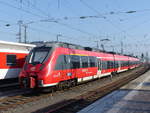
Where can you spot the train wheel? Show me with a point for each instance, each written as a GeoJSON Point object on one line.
{"type": "Point", "coordinates": [74, 82]}
{"type": "Point", "coordinates": [67, 84]}
{"type": "Point", "coordinates": [60, 86]}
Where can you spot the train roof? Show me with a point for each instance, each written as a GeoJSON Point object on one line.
{"type": "Point", "coordinates": [73, 46]}
{"type": "Point", "coordinates": [16, 44]}
{"type": "Point", "coordinates": [57, 44]}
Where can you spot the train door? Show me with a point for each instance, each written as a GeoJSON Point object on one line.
{"type": "Point", "coordinates": [74, 66]}
{"type": "Point", "coordinates": [68, 71]}
{"type": "Point", "coordinates": [99, 66]}
{"type": "Point", "coordinates": [119, 65]}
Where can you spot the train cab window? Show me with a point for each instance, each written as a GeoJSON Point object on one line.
{"type": "Point", "coordinates": [84, 60]}
{"type": "Point", "coordinates": [92, 61]}
{"type": "Point", "coordinates": [39, 55]}
{"type": "Point", "coordinates": [11, 60]}
{"type": "Point", "coordinates": [75, 61]}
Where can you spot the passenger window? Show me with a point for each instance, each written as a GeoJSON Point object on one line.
{"type": "Point", "coordinates": [116, 64]}
{"type": "Point", "coordinates": [11, 60]}
{"type": "Point", "coordinates": [104, 65]}
{"type": "Point", "coordinates": [92, 61]}
{"type": "Point", "coordinates": [62, 62]}
{"type": "Point", "coordinates": [75, 61]}
{"type": "Point", "coordinates": [84, 60]}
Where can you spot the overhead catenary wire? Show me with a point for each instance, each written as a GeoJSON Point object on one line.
{"type": "Point", "coordinates": [20, 9]}
{"type": "Point", "coordinates": [26, 11]}
{"type": "Point", "coordinates": [104, 17]}
{"type": "Point", "coordinates": [31, 12]}
{"type": "Point", "coordinates": [35, 8]}
{"type": "Point", "coordinates": [54, 34]}
{"type": "Point", "coordinates": [69, 26]}
{"type": "Point", "coordinates": [79, 30]}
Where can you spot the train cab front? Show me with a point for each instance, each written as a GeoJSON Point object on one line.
{"type": "Point", "coordinates": [34, 67]}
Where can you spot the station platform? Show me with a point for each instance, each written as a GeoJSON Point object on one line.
{"type": "Point", "coordinates": [131, 98]}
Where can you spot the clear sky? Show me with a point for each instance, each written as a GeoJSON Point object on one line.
{"type": "Point", "coordinates": [80, 21]}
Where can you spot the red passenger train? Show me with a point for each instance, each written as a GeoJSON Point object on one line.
{"type": "Point", "coordinates": [60, 64]}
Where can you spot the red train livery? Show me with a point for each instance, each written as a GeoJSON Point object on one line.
{"type": "Point", "coordinates": [58, 63]}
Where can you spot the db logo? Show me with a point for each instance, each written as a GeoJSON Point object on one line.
{"type": "Point", "coordinates": [32, 68]}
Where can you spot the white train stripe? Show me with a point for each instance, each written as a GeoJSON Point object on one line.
{"type": "Point", "coordinates": [93, 77]}
{"type": "Point", "coordinates": [16, 44]}
{"type": "Point", "coordinates": [48, 85]}
{"type": "Point", "coordinates": [9, 73]}
{"type": "Point", "coordinates": [14, 51]}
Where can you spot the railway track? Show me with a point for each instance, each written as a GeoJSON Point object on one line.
{"type": "Point", "coordinates": [71, 105]}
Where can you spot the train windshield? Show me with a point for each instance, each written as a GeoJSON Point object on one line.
{"type": "Point", "coordinates": [39, 55]}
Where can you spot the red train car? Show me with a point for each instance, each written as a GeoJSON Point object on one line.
{"type": "Point", "coordinates": [12, 57]}
{"type": "Point", "coordinates": [59, 64]}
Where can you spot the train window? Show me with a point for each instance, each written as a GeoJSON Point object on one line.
{"type": "Point", "coordinates": [116, 64]}
{"type": "Point", "coordinates": [127, 63]}
{"type": "Point", "coordinates": [75, 61]}
{"type": "Point", "coordinates": [62, 62]}
{"type": "Point", "coordinates": [122, 63]}
{"type": "Point", "coordinates": [92, 61]}
{"type": "Point", "coordinates": [104, 65]}
{"type": "Point", "coordinates": [110, 64]}
{"type": "Point", "coordinates": [11, 60]}
{"type": "Point", "coordinates": [84, 60]}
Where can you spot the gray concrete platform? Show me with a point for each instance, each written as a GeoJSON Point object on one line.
{"type": "Point", "coordinates": [131, 98]}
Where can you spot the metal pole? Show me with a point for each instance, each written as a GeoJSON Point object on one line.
{"type": "Point", "coordinates": [121, 47]}
{"type": "Point", "coordinates": [19, 34]}
{"type": "Point", "coordinates": [103, 47]}
{"type": "Point", "coordinates": [25, 33]}
{"type": "Point", "coordinates": [97, 45]}
{"type": "Point", "coordinates": [57, 37]}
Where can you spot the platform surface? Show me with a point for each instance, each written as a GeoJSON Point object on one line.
{"type": "Point", "coordinates": [131, 98]}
